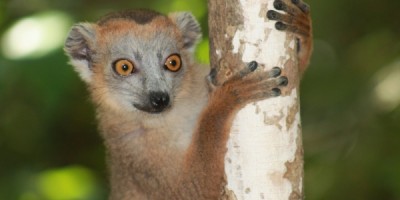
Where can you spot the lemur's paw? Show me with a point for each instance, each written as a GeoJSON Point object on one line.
{"type": "Point", "coordinates": [289, 5]}
{"type": "Point", "coordinates": [294, 16]}
{"type": "Point", "coordinates": [246, 86]}
{"type": "Point", "coordinates": [296, 20]}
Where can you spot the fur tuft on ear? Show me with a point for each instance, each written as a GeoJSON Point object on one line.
{"type": "Point", "coordinates": [78, 47]}
{"type": "Point", "coordinates": [189, 27]}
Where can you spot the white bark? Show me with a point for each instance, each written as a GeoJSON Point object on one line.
{"type": "Point", "coordinates": [265, 156]}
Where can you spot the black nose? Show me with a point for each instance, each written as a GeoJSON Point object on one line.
{"type": "Point", "coordinates": [159, 101]}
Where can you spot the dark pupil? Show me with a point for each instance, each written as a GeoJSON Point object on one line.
{"type": "Point", "coordinates": [173, 63]}
{"type": "Point", "coordinates": [125, 67]}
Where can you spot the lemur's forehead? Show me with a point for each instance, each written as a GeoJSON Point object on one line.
{"type": "Point", "coordinates": [140, 16]}
{"type": "Point", "coordinates": [123, 27]}
{"type": "Point", "coordinates": [138, 22]}
{"type": "Point", "coordinates": [121, 34]}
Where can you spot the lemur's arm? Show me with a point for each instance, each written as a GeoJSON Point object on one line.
{"type": "Point", "coordinates": [205, 157]}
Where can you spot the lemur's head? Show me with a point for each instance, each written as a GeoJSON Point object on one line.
{"type": "Point", "coordinates": [134, 60]}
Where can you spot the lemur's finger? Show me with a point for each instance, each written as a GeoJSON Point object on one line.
{"type": "Point", "coordinates": [302, 6]}
{"type": "Point", "coordinates": [288, 19]}
{"type": "Point", "coordinates": [263, 94]}
{"type": "Point", "coordinates": [247, 70]}
{"type": "Point", "coordinates": [275, 72]}
{"type": "Point", "coordinates": [282, 81]}
{"type": "Point", "coordinates": [292, 8]}
{"type": "Point", "coordinates": [281, 5]}
{"type": "Point", "coordinates": [251, 95]}
{"type": "Point", "coordinates": [212, 76]}
{"type": "Point", "coordinates": [276, 92]}
{"type": "Point", "coordinates": [287, 27]}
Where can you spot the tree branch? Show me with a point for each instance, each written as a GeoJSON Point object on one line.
{"type": "Point", "coordinates": [265, 153]}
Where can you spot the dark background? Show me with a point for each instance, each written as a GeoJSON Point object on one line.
{"type": "Point", "coordinates": [50, 148]}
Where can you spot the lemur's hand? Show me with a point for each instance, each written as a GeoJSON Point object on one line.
{"type": "Point", "coordinates": [296, 20]}
{"type": "Point", "coordinates": [247, 86]}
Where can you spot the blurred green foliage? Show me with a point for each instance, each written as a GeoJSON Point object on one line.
{"type": "Point", "coordinates": [50, 148]}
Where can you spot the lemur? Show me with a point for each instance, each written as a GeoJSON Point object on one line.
{"type": "Point", "coordinates": [164, 124]}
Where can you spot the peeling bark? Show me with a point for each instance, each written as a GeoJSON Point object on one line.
{"type": "Point", "coordinates": [265, 153]}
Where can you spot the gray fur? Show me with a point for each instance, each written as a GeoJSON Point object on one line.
{"type": "Point", "coordinates": [79, 46]}
{"type": "Point", "coordinates": [150, 75]}
{"type": "Point", "coordinates": [189, 27]}
{"type": "Point", "coordinates": [78, 41]}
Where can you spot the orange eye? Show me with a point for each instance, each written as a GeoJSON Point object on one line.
{"type": "Point", "coordinates": [124, 67]}
{"type": "Point", "coordinates": [173, 63]}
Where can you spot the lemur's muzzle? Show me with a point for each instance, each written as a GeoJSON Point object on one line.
{"type": "Point", "coordinates": [158, 101]}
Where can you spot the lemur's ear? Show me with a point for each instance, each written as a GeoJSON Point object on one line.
{"type": "Point", "coordinates": [78, 47]}
{"type": "Point", "coordinates": [189, 27]}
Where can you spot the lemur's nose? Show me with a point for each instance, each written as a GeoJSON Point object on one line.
{"type": "Point", "coordinates": [159, 101]}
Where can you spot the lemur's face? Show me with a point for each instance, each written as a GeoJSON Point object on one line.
{"type": "Point", "coordinates": [142, 64]}
{"type": "Point", "coordinates": [136, 62]}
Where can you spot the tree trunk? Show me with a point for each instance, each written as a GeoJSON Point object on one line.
{"type": "Point", "coordinates": [265, 153]}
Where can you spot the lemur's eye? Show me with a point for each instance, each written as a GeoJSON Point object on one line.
{"type": "Point", "coordinates": [173, 63]}
{"type": "Point", "coordinates": [124, 67]}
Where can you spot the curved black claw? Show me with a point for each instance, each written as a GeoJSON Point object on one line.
{"type": "Point", "coordinates": [281, 26]}
{"type": "Point", "coordinates": [273, 15]}
{"type": "Point", "coordinates": [275, 72]}
{"type": "Point", "coordinates": [279, 5]}
{"type": "Point", "coordinates": [283, 81]}
{"type": "Point", "coordinates": [252, 65]}
{"type": "Point", "coordinates": [276, 92]}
